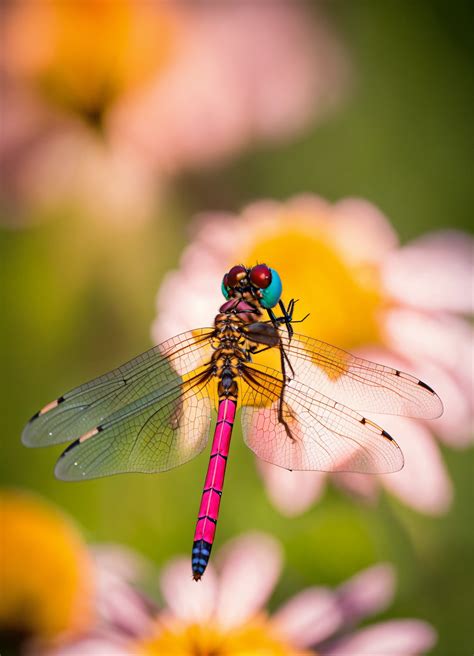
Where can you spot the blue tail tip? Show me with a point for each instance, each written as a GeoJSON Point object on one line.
{"type": "Point", "coordinates": [200, 558]}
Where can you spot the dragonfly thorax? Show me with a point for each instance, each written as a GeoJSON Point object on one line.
{"type": "Point", "coordinates": [232, 346]}
{"type": "Point", "coordinates": [246, 310]}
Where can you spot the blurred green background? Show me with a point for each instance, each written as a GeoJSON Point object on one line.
{"type": "Point", "coordinates": [77, 303]}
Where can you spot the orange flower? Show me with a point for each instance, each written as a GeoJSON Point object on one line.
{"type": "Point", "coordinates": [45, 574]}
{"type": "Point", "coordinates": [82, 56]}
{"type": "Point", "coordinates": [165, 86]}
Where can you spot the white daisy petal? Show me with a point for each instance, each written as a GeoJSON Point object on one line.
{"type": "Point", "coordinates": [393, 638]}
{"type": "Point", "coordinates": [250, 567]}
{"type": "Point", "coordinates": [291, 492]}
{"type": "Point", "coordinates": [189, 600]}
{"type": "Point", "coordinates": [309, 617]}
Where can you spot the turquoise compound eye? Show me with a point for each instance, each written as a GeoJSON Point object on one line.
{"type": "Point", "coordinates": [272, 294]}
{"type": "Point", "coordinates": [224, 289]}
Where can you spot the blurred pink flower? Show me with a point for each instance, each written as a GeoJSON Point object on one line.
{"type": "Point", "coordinates": [404, 306]}
{"type": "Point", "coordinates": [245, 71]}
{"type": "Point", "coordinates": [122, 609]}
{"type": "Point", "coordinates": [185, 84]}
{"type": "Point", "coordinates": [225, 614]}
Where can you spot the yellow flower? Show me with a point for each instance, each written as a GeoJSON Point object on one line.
{"type": "Point", "coordinates": [401, 306]}
{"type": "Point", "coordinates": [254, 638]}
{"type": "Point", "coordinates": [45, 574]}
{"type": "Point", "coordinates": [223, 615]}
{"type": "Point", "coordinates": [328, 257]}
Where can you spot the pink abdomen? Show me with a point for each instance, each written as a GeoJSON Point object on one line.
{"type": "Point", "coordinates": [211, 496]}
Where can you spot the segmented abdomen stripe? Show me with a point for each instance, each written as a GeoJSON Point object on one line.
{"type": "Point", "coordinates": [212, 493]}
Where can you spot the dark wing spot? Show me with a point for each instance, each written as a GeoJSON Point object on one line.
{"type": "Point", "coordinates": [69, 448]}
{"type": "Point", "coordinates": [427, 387]}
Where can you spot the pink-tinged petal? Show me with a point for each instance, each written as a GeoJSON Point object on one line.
{"type": "Point", "coordinates": [455, 427]}
{"type": "Point", "coordinates": [119, 604]}
{"type": "Point", "coordinates": [250, 567]}
{"type": "Point", "coordinates": [423, 483]}
{"type": "Point", "coordinates": [442, 339]}
{"type": "Point", "coordinates": [311, 616]}
{"type": "Point", "coordinates": [109, 183]}
{"type": "Point", "coordinates": [291, 492]}
{"type": "Point", "coordinates": [121, 562]}
{"type": "Point", "coordinates": [192, 307]}
{"type": "Point", "coordinates": [95, 646]}
{"type": "Point", "coordinates": [122, 607]}
{"type": "Point", "coordinates": [187, 599]}
{"type": "Point", "coordinates": [393, 638]}
{"type": "Point", "coordinates": [193, 291]}
{"type": "Point", "coordinates": [435, 272]}
{"type": "Point", "coordinates": [359, 485]}
{"type": "Point", "coordinates": [367, 593]}
{"type": "Point", "coordinates": [213, 235]}
{"type": "Point", "coordinates": [361, 232]}
{"type": "Point", "coordinates": [441, 350]}
{"type": "Point", "coordinates": [306, 213]}
{"type": "Point", "coordinates": [262, 217]}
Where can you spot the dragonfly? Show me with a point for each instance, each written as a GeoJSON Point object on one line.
{"type": "Point", "coordinates": [155, 412]}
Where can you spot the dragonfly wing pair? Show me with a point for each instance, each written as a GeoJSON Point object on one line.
{"type": "Point", "coordinates": [145, 416]}
{"type": "Point", "coordinates": [309, 431]}
{"type": "Point", "coordinates": [363, 385]}
{"type": "Point", "coordinates": [326, 434]}
{"type": "Point", "coordinates": [154, 413]}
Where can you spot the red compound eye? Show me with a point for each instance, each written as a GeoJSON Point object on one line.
{"type": "Point", "coordinates": [235, 275]}
{"type": "Point", "coordinates": [261, 276]}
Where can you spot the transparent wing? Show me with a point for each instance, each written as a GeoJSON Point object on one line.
{"type": "Point", "coordinates": [162, 433]}
{"type": "Point", "coordinates": [311, 432]}
{"type": "Point", "coordinates": [359, 383]}
{"type": "Point", "coordinates": [130, 386]}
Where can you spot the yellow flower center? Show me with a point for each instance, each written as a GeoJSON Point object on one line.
{"type": "Point", "coordinates": [45, 573]}
{"type": "Point", "coordinates": [344, 300]}
{"type": "Point", "coordinates": [255, 638]}
{"type": "Point", "coordinates": [83, 54]}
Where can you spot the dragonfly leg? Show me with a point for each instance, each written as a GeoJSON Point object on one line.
{"type": "Point", "coordinates": [276, 321]}
{"type": "Point", "coordinates": [264, 348]}
{"type": "Point", "coordinates": [284, 357]}
{"type": "Point", "coordinates": [287, 317]}
{"type": "Point", "coordinates": [281, 418]}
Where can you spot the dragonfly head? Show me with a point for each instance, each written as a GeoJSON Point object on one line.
{"type": "Point", "coordinates": [261, 281]}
